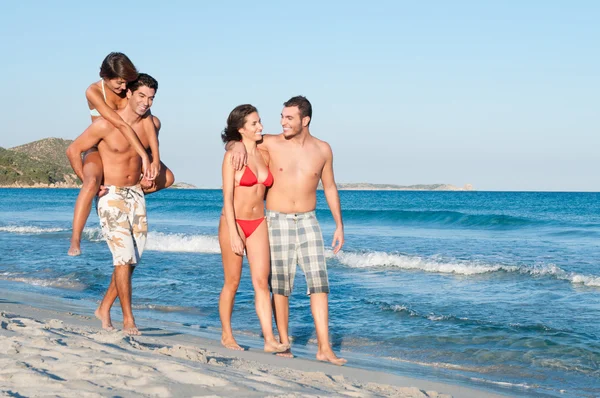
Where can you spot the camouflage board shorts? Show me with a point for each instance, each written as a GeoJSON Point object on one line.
{"type": "Point", "coordinates": [122, 213]}
{"type": "Point", "coordinates": [296, 238]}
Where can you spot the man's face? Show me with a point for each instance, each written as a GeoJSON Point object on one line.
{"type": "Point", "coordinates": [291, 121]}
{"type": "Point", "coordinates": [117, 85]}
{"type": "Point", "coordinates": [141, 99]}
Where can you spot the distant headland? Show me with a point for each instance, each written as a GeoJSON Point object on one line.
{"type": "Point", "coordinates": [365, 186]}
{"type": "Point", "coordinates": [44, 164]}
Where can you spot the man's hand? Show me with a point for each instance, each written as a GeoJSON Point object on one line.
{"type": "Point", "coordinates": [338, 240]}
{"type": "Point", "coordinates": [102, 190]}
{"type": "Point", "coordinates": [147, 183]}
{"type": "Point", "coordinates": [239, 156]}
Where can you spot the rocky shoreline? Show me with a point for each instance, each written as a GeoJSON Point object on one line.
{"type": "Point", "coordinates": [39, 185]}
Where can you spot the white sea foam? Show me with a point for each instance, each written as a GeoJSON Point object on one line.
{"type": "Point", "coordinates": [382, 259]}
{"type": "Point", "coordinates": [159, 241]}
{"type": "Point", "coordinates": [559, 273]}
{"type": "Point", "coordinates": [505, 383]}
{"type": "Point", "coordinates": [60, 282]}
{"type": "Point", "coordinates": [163, 308]}
{"type": "Point", "coordinates": [162, 242]}
{"type": "Point", "coordinates": [29, 230]}
{"type": "Point", "coordinates": [93, 234]}
{"type": "Point", "coordinates": [437, 265]}
{"type": "Point", "coordinates": [444, 365]}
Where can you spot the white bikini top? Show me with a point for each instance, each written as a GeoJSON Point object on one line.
{"type": "Point", "coordinates": [94, 112]}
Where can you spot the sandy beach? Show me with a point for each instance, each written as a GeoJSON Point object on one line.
{"type": "Point", "coordinates": [47, 352]}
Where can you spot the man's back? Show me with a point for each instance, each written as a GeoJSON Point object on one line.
{"type": "Point", "coordinates": [122, 165]}
{"type": "Point", "coordinates": [297, 170]}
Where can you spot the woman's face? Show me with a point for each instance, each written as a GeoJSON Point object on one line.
{"type": "Point", "coordinates": [252, 127]}
{"type": "Point", "coordinates": [117, 85]}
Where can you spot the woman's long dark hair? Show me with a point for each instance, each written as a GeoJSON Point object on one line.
{"type": "Point", "coordinates": [235, 121]}
{"type": "Point", "coordinates": [117, 65]}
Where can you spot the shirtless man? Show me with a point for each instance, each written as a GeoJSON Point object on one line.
{"type": "Point", "coordinates": [298, 162]}
{"type": "Point", "coordinates": [122, 211]}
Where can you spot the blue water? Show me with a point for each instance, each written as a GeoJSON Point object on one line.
{"type": "Point", "coordinates": [499, 290]}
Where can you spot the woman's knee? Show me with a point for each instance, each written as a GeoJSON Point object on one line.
{"type": "Point", "coordinates": [261, 284]}
{"type": "Point", "coordinates": [231, 283]}
{"type": "Point", "coordinates": [169, 178]}
{"type": "Point", "coordinates": [92, 182]}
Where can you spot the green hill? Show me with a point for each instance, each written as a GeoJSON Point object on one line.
{"type": "Point", "coordinates": [39, 163]}
{"type": "Point", "coordinates": [50, 150]}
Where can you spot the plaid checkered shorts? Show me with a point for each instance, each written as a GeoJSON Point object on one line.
{"type": "Point", "coordinates": [296, 238]}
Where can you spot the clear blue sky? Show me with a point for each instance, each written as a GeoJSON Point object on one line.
{"type": "Point", "coordinates": [503, 95]}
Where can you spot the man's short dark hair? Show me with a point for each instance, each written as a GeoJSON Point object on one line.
{"type": "Point", "coordinates": [143, 79]}
{"type": "Point", "coordinates": [303, 105]}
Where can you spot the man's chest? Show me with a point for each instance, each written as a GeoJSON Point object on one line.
{"type": "Point", "coordinates": [298, 163]}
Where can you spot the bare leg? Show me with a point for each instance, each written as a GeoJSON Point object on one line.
{"type": "Point", "coordinates": [122, 275]}
{"type": "Point", "coordinates": [103, 310]}
{"type": "Point", "coordinates": [164, 180]}
{"type": "Point", "coordinates": [281, 308]}
{"type": "Point", "coordinates": [320, 312]}
{"type": "Point", "coordinates": [232, 270]}
{"type": "Point", "coordinates": [257, 250]}
{"type": "Point", "coordinates": [92, 177]}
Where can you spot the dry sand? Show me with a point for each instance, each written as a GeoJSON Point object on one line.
{"type": "Point", "coordinates": [58, 353]}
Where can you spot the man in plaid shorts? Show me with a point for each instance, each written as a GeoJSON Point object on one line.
{"type": "Point", "coordinates": [298, 162]}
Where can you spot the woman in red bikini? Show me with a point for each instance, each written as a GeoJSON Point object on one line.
{"type": "Point", "coordinates": [242, 225]}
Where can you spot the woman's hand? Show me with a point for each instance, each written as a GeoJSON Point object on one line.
{"type": "Point", "coordinates": [237, 245]}
{"type": "Point", "coordinates": [154, 169]}
{"type": "Point", "coordinates": [146, 166]}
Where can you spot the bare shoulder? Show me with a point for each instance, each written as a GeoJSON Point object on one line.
{"type": "Point", "coordinates": [323, 146]}
{"type": "Point", "coordinates": [156, 122]}
{"type": "Point", "coordinates": [101, 124]}
{"type": "Point", "coordinates": [93, 89]}
{"type": "Point", "coordinates": [267, 140]}
{"type": "Point", "coordinates": [100, 129]}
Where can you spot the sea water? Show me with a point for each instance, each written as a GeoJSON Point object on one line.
{"type": "Point", "coordinates": [498, 290]}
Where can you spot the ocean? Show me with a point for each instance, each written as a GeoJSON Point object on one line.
{"type": "Point", "coordinates": [494, 290]}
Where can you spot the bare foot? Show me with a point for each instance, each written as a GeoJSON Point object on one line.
{"type": "Point", "coordinates": [286, 354]}
{"type": "Point", "coordinates": [105, 319]}
{"type": "Point", "coordinates": [274, 346]}
{"type": "Point", "coordinates": [329, 356]}
{"type": "Point", "coordinates": [131, 330]}
{"type": "Point", "coordinates": [231, 344]}
{"type": "Point", "coordinates": [74, 250]}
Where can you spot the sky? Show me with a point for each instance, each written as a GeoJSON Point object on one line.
{"type": "Point", "coordinates": [502, 95]}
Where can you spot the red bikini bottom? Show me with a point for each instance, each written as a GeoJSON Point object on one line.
{"type": "Point", "coordinates": [249, 226]}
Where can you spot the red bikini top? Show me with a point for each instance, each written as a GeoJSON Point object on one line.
{"type": "Point", "coordinates": [249, 179]}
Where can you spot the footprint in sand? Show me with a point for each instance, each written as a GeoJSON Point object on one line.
{"type": "Point", "coordinates": [183, 374]}
{"type": "Point", "coordinates": [182, 352]}
{"type": "Point", "coordinates": [54, 324]}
